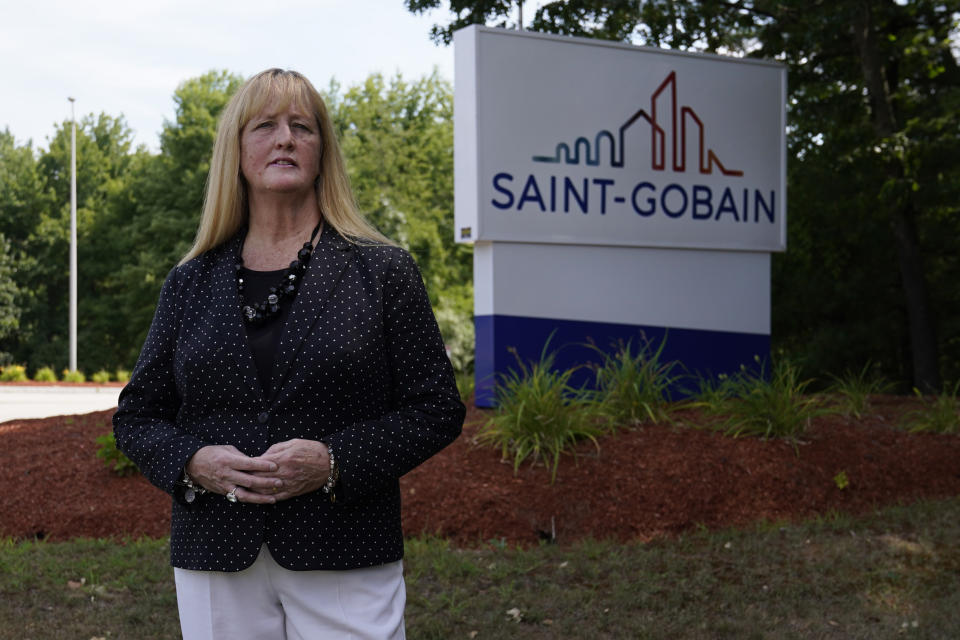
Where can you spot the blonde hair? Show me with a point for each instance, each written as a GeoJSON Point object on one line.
{"type": "Point", "coordinates": [225, 201]}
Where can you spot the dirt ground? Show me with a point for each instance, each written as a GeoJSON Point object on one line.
{"type": "Point", "coordinates": [645, 483]}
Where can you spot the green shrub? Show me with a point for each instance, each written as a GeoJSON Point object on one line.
{"type": "Point", "coordinates": [465, 384]}
{"type": "Point", "coordinates": [101, 376]}
{"type": "Point", "coordinates": [73, 376]}
{"type": "Point", "coordinates": [634, 387]}
{"type": "Point", "coordinates": [456, 327]}
{"type": "Point", "coordinates": [121, 375]}
{"type": "Point", "coordinates": [13, 373]}
{"type": "Point", "coordinates": [45, 374]}
{"type": "Point", "coordinates": [941, 414]}
{"type": "Point", "coordinates": [113, 457]}
{"type": "Point", "coordinates": [539, 415]}
{"type": "Point", "coordinates": [854, 390]}
{"type": "Point", "coordinates": [750, 405]}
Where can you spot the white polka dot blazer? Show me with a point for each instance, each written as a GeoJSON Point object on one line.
{"type": "Point", "coordinates": [361, 365]}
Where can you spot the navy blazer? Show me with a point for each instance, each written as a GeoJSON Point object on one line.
{"type": "Point", "coordinates": [361, 366]}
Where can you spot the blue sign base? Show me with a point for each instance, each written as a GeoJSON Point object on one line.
{"type": "Point", "coordinates": [501, 339]}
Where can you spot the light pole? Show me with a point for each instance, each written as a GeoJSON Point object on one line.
{"type": "Point", "coordinates": [73, 239]}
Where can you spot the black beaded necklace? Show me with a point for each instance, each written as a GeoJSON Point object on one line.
{"type": "Point", "coordinates": [261, 312]}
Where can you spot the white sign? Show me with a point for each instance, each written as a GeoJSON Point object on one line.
{"type": "Point", "coordinates": [579, 141]}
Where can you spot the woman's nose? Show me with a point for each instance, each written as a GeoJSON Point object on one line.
{"type": "Point", "coordinates": [284, 135]}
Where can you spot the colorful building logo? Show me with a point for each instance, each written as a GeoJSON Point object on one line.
{"type": "Point", "coordinates": [678, 116]}
{"type": "Point", "coordinates": [675, 130]}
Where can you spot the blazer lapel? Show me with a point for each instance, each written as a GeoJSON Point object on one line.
{"type": "Point", "coordinates": [327, 265]}
{"type": "Point", "coordinates": [226, 307]}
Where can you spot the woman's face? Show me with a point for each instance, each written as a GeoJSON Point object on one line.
{"type": "Point", "coordinates": [280, 151]}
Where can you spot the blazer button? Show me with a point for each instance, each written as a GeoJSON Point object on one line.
{"type": "Point", "coordinates": [263, 417]}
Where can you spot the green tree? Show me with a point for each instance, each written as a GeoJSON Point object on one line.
{"type": "Point", "coordinates": [22, 200]}
{"type": "Point", "coordinates": [491, 12]}
{"type": "Point", "coordinates": [103, 145]}
{"type": "Point", "coordinates": [9, 309]}
{"type": "Point", "coordinates": [609, 20]}
{"type": "Point", "coordinates": [34, 202]}
{"type": "Point", "coordinates": [22, 194]}
{"type": "Point", "coordinates": [170, 190]}
{"type": "Point", "coordinates": [875, 100]}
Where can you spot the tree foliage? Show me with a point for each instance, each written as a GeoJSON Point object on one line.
{"type": "Point", "coordinates": [37, 223]}
{"type": "Point", "coordinates": [871, 273]}
{"type": "Point", "coordinates": [491, 12]}
{"type": "Point", "coordinates": [9, 309]}
{"type": "Point", "coordinates": [21, 195]}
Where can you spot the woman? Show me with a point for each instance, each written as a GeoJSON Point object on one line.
{"type": "Point", "coordinates": [292, 373]}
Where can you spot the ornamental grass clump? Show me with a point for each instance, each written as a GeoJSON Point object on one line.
{"type": "Point", "coordinates": [940, 414]}
{"type": "Point", "coordinates": [751, 405]}
{"type": "Point", "coordinates": [853, 390]}
{"type": "Point", "coordinates": [539, 414]}
{"type": "Point", "coordinates": [633, 386]}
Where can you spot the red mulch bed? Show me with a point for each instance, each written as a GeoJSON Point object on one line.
{"type": "Point", "coordinates": [650, 482]}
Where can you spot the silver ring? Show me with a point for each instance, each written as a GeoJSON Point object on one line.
{"type": "Point", "coordinates": [232, 494]}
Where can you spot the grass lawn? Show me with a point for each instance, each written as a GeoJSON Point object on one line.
{"type": "Point", "coordinates": [891, 574]}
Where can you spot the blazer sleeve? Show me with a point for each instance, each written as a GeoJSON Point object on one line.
{"type": "Point", "coordinates": [145, 422]}
{"type": "Point", "coordinates": [426, 414]}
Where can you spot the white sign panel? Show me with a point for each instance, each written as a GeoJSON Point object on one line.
{"type": "Point", "coordinates": [579, 141]}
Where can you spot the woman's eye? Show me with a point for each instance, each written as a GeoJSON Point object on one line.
{"type": "Point", "coordinates": [300, 125]}
{"type": "Point", "coordinates": [263, 125]}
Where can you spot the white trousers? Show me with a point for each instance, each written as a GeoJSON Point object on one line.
{"type": "Point", "coordinates": [267, 602]}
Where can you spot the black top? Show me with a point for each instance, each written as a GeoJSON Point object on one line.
{"type": "Point", "coordinates": [361, 366]}
{"type": "Point", "coordinates": [264, 339]}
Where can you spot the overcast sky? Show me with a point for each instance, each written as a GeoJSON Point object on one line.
{"type": "Point", "coordinates": [128, 56]}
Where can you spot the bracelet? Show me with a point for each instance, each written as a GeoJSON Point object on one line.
{"type": "Point", "coordinates": [192, 489]}
{"type": "Point", "coordinates": [332, 477]}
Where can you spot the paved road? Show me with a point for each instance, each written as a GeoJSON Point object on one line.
{"type": "Point", "coordinates": [42, 402]}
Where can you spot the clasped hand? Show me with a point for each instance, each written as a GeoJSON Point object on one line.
{"type": "Point", "coordinates": [285, 470]}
